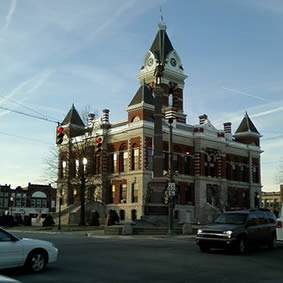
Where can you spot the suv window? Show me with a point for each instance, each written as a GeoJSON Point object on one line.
{"type": "Point", "coordinates": [270, 216]}
{"type": "Point", "coordinates": [231, 218]}
{"type": "Point", "coordinates": [261, 218]}
{"type": "Point", "coordinates": [252, 219]}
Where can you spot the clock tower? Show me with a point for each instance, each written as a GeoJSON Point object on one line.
{"type": "Point", "coordinates": [173, 78]}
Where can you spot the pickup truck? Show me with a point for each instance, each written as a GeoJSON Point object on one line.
{"type": "Point", "coordinates": [279, 226]}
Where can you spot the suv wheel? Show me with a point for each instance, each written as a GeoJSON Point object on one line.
{"type": "Point", "coordinates": [242, 245]}
{"type": "Point", "coordinates": [272, 243]}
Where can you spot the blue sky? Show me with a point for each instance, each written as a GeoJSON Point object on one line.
{"type": "Point", "coordinates": [56, 53]}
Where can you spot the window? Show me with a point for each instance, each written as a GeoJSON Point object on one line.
{"type": "Point", "coordinates": [234, 172]}
{"type": "Point", "coordinates": [255, 174]}
{"type": "Point", "coordinates": [134, 214]}
{"type": "Point", "coordinates": [149, 159]}
{"type": "Point", "coordinates": [38, 203]}
{"type": "Point", "coordinates": [135, 158]}
{"type": "Point", "coordinates": [123, 160]}
{"type": "Point", "coordinates": [112, 194]}
{"type": "Point", "coordinates": [33, 203]}
{"type": "Point", "coordinates": [44, 203]}
{"type": "Point", "coordinates": [188, 195]}
{"type": "Point", "coordinates": [165, 160]}
{"type": "Point", "coordinates": [77, 162]}
{"type": "Point", "coordinates": [187, 169]}
{"type": "Point", "coordinates": [24, 200]}
{"type": "Point", "coordinates": [175, 163]}
{"type": "Point", "coordinates": [176, 214]}
{"type": "Point", "coordinates": [115, 167]}
{"type": "Point", "coordinates": [64, 168]}
{"type": "Point", "coordinates": [123, 189]}
{"type": "Point", "coordinates": [134, 192]}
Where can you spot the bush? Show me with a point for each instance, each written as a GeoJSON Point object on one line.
{"type": "Point", "coordinates": [48, 221]}
{"type": "Point", "coordinates": [7, 220]}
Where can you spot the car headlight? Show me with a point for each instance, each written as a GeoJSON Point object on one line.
{"type": "Point", "coordinates": [228, 233]}
{"type": "Point", "coordinates": [199, 231]}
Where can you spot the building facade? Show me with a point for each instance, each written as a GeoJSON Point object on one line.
{"type": "Point", "coordinates": [272, 200]}
{"type": "Point", "coordinates": [33, 200]}
{"type": "Point", "coordinates": [125, 164]}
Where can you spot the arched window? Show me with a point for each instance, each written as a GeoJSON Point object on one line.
{"type": "Point", "coordinates": [122, 214]}
{"type": "Point", "coordinates": [136, 119]}
{"type": "Point", "coordinates": [134, 214]}
{"type": "Point", "coordinates": [39, 199]}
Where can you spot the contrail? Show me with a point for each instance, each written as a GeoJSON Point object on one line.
{"type": "Point", "coordinates": [246, 94]}
{"type": "Point", "coordinates": [10, 15]}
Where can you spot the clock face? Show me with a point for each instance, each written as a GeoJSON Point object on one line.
{"type": "Point", "coordinates": [173, 62]}
{"type": "Point", "coordinates": [149, 62]}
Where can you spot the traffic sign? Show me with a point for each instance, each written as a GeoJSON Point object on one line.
{"type": "Point", "coordinates": [171, 189]}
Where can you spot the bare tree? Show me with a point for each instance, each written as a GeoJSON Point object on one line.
{"type": "Point", "coordinates": [279, 175]}
{"type": "Point", "coordinates": [74, 164]}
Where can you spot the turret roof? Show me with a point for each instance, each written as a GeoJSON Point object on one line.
{"type": "Point", "coordinates": [73, 118]}
{"type": "Point", "coordinates": [247, 126]}
{"type": "Point", "coordinates": [143, 95]}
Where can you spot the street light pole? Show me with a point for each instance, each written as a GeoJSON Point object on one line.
{"type": "Point", "coordinates": [59, 216]}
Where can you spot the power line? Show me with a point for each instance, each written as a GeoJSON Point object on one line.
{"type": "Point", "coordinates": [273, 138]}
{"type": "Point", "coordinates": [22, 137]}
{"type": "Point", "coordinates": [21, 104]}
{"type": "Point", "coordinates": [29, 115]}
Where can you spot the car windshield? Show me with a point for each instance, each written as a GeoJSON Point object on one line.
{"type": "Point", "coordinates": [231, 218]}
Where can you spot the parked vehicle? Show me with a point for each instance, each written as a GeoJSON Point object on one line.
{"type": "Point", "coordinates": [33, 254]}
{"type": "Point", "coordinates": [5, 279]}
{"type": "Point", "coordinates": [239, 230]}
{"type": "Point", "coordinates": [279, 225]}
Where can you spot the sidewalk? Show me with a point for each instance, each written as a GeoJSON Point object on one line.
{"type": "Point", "coordinates": [93, 233]}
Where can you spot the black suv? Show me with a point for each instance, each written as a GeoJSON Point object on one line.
{"type": "Point", "coordinates": [238, 230]}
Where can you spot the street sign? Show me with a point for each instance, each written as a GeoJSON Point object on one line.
{"type": "Point", "coordinates": [171, 189]}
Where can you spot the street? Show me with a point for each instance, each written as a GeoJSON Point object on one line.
{"type": "Point", "coordinates": [149, 259]}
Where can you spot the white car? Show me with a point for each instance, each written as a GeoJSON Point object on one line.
{"type": "Point", "coordinates": [279, 226]}
{"type": "Point", "coordinates": [32, 254]}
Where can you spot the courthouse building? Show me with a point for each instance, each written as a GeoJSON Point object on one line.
{"type": "Point", "coordinates": [126, 162]}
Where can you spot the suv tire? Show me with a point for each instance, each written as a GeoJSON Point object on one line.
{"type": "Point", "coordinates": [272, 243]}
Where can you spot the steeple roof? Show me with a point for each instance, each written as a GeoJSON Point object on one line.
{"type": "Point", "coordinates": [161, 45]}
{"type": "Point", "coordinates": [73, 118]}
{"type": "Point", "coordinates": [247, 126]}
{"type": "Point", "coordinates": [143, 95]}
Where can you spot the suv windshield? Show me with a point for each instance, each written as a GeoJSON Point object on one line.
{"type": "Point", "coordinates": [231, 218]}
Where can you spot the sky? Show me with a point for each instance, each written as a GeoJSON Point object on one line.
{"type": "Point", "coordinates": [56, 53]}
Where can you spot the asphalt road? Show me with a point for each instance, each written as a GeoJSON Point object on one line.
{"type": "Point", "coordinates": [155, 259]}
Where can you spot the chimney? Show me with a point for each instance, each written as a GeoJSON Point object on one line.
{"type": "Point", "coordinates": [227, 127]}
{"type": "Point", "coordinates": [202, 119]}
{"type": "Point", "coordinates": [105, 116]}
{"type": "Point", "coordinates": [90, 119]}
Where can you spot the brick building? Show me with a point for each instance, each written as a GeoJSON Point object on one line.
{"type": "Point", "coordinates": [28, 201]}
{"type": "Point", "coordinates": [213, 168]}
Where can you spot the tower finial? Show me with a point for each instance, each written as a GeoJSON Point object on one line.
{"type": "Point", "coordinates": [161, 16]}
